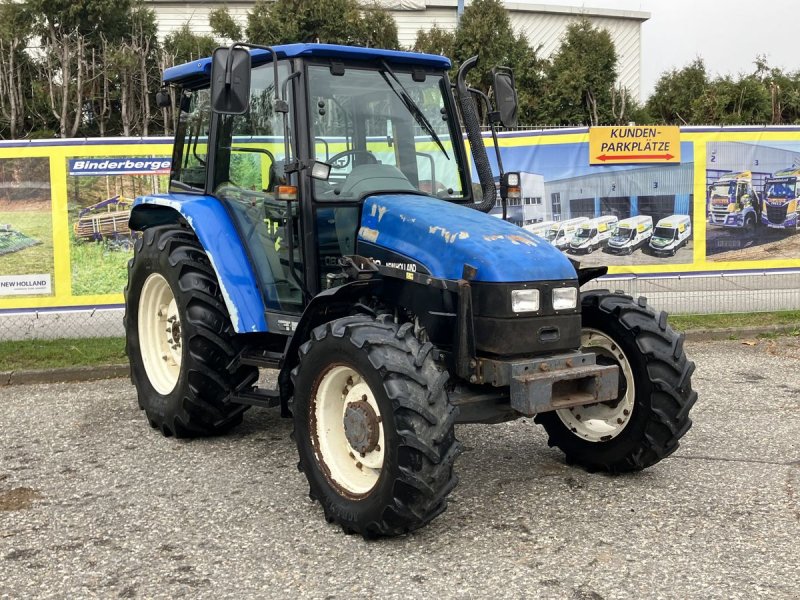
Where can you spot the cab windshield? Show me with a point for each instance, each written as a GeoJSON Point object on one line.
{"type": "Point", "coordinates": [665, 233]}
{"type": "Point", "coordinates": [783, 189]}
{"type": "Point", "coordinates": [552, 234]}
{"type": "Point", "coordinates": [383, 130]}
{"type": "Point", "coordinates": [624, 234]}
{"type": "Point", "coordinates": [722, 191]}
{"type": "Point", "coordinates": [585, 234]}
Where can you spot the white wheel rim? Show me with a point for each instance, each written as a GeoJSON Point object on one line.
{"type": "Point", "coordinates": [353, 469]}
{"type": "Point", "coordinates": [603, 421]}
{"type": "Point", "coordinates": [160, 335]}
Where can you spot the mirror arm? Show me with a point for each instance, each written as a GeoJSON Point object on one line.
{"type": "Point", "coordinates": [246, 45]}
{"type": "Point", "coordinates": [283, 107]}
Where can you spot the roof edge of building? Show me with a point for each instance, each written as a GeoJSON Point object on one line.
{"type": "Point", "coordinates": [578, 11]}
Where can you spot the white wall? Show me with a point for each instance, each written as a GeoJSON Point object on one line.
{"type": "Point", "coordinates": [542, 24]}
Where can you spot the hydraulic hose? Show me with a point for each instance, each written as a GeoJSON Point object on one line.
{"type": "Point", "coordinates": [473, 126]}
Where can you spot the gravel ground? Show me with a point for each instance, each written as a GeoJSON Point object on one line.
{"type": "Point", "coordinates": [93, 503]}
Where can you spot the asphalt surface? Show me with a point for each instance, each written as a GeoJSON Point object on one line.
{"type": "Point", "coordinates": [94, 503]}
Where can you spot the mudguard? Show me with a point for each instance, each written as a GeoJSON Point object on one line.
{"type": "Point", "coordinates": [216, 232]}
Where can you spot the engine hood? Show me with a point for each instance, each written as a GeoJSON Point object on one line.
{"type": "Point", "coordinates": [444, 236]}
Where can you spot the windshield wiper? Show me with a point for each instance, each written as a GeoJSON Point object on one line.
{"type": "Point", "coordinates": [412, 107]}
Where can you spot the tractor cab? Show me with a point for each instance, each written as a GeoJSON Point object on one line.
{"type": "Point", "coordinates": [318, 130]}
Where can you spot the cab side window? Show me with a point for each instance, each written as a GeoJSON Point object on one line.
{"type": "Point", "coordinates": [191, 142]}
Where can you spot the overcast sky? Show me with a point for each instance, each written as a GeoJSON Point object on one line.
{"type": "Point", "coordinates": [727, 34]}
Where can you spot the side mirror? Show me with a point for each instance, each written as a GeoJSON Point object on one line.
{"type": "Point", "coordinates": [230, 81]}
{"type": "Point", "coordinates": [163, 99]}
{"type": "Point", "coordinates": [505, 96]}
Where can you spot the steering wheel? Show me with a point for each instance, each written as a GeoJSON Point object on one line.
{"type": "Point", "coordinates": [433, 188]}
{"type": "Point", "coordinates": [347, 154]}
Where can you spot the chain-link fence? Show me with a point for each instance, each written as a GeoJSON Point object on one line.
{"type": "Point", "coordinates": [703, 293]}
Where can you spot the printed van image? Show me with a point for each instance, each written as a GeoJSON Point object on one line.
{"type": "Point", "coordinates": [631, 234]}
{"type": "Point", "coordinates": [670, 235]}
{"type": "Point", "coordinates": [593, 235]}
{"type": "Point", "coordinates": [779, 206]}
{"type": "Point", "coordinates": [734, 200]}
{"type": "Point", "coordinates": [561, 234]}
{"type": "Point", "coordinates": [539, 229]}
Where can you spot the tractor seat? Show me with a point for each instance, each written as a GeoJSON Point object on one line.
{"type": "Point", "coordinates": [365, 178]}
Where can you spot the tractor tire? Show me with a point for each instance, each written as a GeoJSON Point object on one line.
{"type": "Point", "coordinates": [373, 426]}
{"type": "Point", "coordinates": [651, 414]}
{"type": "Point", "coordinates": [179, 337]}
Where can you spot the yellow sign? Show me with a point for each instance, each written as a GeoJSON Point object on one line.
{"type": "Point", "coordinates": [638, 144]}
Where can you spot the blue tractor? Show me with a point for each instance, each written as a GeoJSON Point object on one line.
{"type": "Point", "coordinates": [321, 220]}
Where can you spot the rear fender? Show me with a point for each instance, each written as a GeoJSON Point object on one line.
{"type": "Point", "coordinates": [209, 220]}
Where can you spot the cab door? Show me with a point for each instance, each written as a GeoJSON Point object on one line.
{"type": "Point", "coordinates": [248, 167]}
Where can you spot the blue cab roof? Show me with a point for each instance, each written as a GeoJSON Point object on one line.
{"type": "Point", "coordinates": [199, 71]}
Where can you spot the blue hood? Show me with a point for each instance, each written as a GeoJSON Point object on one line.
{"type": "Point", "coordinates": [443, 236]}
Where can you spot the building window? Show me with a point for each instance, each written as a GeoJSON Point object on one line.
{"type": "Point", "coordinates": [556, 199]}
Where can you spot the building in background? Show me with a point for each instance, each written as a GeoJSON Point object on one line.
{"type": "Point", "coordinates": [532, 207]}
{"type": "Point", "coordinates": [656, 191]}
{"type": "Point", "coordinates": [542, 24]}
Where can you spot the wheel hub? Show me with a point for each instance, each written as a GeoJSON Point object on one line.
{"type": "Point", "coordinates": [361, 426]}
{"type": "Point", "coordinates": [160, 333]}
{"type": "Point", "coordinates": [347, 431]}
{"type": "Point", "coordinates": [603, 421]}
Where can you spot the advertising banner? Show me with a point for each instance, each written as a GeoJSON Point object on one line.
{"type": "Point", "coordinates": [723, 200]}
{"type": "Point", "coordinates": [64, 207]}
{"type": "Point", "coordinates": [26, 228]}
{"type": "Point", "coordinates": [730, 204]}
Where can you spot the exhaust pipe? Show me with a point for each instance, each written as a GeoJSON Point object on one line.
{"type": "Point", "coordinates": [473, 126]}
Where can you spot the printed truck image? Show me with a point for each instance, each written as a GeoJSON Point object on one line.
{"type": "Point", "coordinates": [539, 229]}
{"type": "Point", "coordinates": [391, 303]}
{"type": "Point", "coordinates": [561, 233]}
{"type": "Point", "coordinates": [779, 207]}
{"type": "Point", "coordinates": [593, 235]}
{"type": "Point", "coordinates": [670, 234]}
{"type": "Point", "coordinates": [733, 201]}
{"type": "Point", "coordinates": [631, 234]}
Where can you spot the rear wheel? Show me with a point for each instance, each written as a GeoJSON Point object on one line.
{"type": "Point", "coordinates": [179, 338]}
{"type": "Point", "coordinates": [373, 426]}
{"type": "Point", "coordinates": [651, 412]}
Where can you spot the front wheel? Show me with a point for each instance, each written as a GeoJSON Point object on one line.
{"type": "Point", "coordinates": [651, 412]}
{"type": "Point", "coordinates": [373, 426]}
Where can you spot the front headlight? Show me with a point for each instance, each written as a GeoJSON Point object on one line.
{"type": "Point", "coordinates": [565, 298]}
{"type": "Point", "coordinates": [524, 301]}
